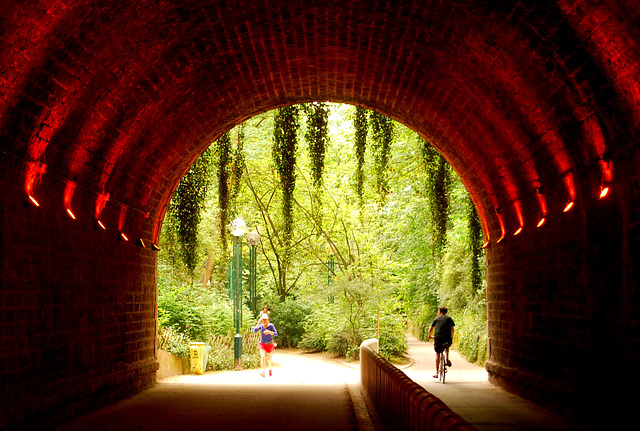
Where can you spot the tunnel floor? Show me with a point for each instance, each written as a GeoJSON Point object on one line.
{"type": "Point", "coordinates": [310, 392]}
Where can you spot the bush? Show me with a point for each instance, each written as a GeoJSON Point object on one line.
{"type": "Point", "coordinates": [313, 342]}
{"type": "Point", "coordinates": [319, 326]}
{"type": "Point", "coordinates": [221, 354]}
{"type": "Point", "coordinates": [288, 317]}
{"type": "Point", "coordinates": [330, 328]}
{"type": "Point", "coordinates": [472, 337]}
{"type": "Point", "coordinates": [392, 342]}
{"type": "Point", "coordinates": [173, 342]}
{"type": "Point", "coordinates": [184, 316]}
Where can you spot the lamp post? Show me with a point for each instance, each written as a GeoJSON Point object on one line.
{"type": "Point", "coordinates": [253, 239]}
{"type": "Point", "coordinates": [237, 228]}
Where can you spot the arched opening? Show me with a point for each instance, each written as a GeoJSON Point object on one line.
{"type": "Point", "coordinates": [364, 258]}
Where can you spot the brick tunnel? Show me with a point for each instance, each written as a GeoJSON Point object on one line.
{"type": "Point", "coordinates": [105, 105]}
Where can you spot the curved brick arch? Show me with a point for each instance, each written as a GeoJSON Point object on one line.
{"type": "Point", "coordinates": [532, 105]}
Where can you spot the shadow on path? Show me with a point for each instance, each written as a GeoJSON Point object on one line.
{"type": "Point", "coordinates": [305, 393]}
{"type": "Point", "coordinates": [468, 392]}
{"type": "Point", "coordinates": [310, 392]}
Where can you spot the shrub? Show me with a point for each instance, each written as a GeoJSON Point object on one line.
{"type": "Point", "coordinates": [288, 318]}
{"type": "Point", "coordinates": [221, 354]}
{"type": "Point", "coordinates": [173, 342]}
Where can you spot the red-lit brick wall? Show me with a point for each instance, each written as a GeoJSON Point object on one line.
{"type": "Point", "coordinates": [78, 326]}
{"type": "Point", "coordinates": [533, 103]}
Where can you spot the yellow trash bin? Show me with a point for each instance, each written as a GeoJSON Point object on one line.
{"type": "Point", "coordinates": [198, 355]}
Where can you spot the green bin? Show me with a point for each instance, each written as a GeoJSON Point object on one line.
{"type": "Point", "coordinates": [198, 355]}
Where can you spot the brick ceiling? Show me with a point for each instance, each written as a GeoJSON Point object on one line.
{"type": "Point", "coordinates": [121, 97]}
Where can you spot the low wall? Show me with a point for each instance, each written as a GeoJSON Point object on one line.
{"type": "Point", "coordinates": [400, 403]}
{"type": "Point", "coordinates": [170, 365]}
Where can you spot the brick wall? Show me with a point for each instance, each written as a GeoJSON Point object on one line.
{"type": "Point", "coordinates": [78, 317]}
{"type": "Point", "coordinates": [563, 310]}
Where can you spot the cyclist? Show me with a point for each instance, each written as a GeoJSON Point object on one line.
{"type": "Point", "coordinates": [441, 331]}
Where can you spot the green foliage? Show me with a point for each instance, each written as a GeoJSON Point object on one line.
{"type": "Point", "coordinates": [186, 204]}
{"type": "Point", "coordinates": [182, 315]}
{"type": "Point", "coordinates": [285, 144]}
{"type": "Point", "coordinates": [317, 138]}
{"type": "Point", "coordinates": [437, 188]}
{"type": "Point", "coordinates": [404, 256]}
{"type": "Point", "coordinates": [289, 317]}
{"type": "Point", "coordinates": [341, 326]}
{"type": "Point", "coordinates": [360, 143]}
{"type": "Point", "coordinates": [472, 336]}
{"type": "Point", "coordinates": [173, 342]}
{"type": "Point", "coordinates": [221, 353]}
{"type": "Point", "coordinates": [382, 136]}
{"type": "Point", "coordinates": [223, 148]}
{"type": "Point", "coordinates": [475, 244]}
{"type": "Point", "coordinates": [392, 342]}
{"type": "Point", "coordinates": [238, 165]}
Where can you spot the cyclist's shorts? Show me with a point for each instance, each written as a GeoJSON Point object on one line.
{"type": "Point", "coordinates": [439, 344]}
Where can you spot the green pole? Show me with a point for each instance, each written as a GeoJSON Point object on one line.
{"type": "Point", "coordinates": [330, 277]}
{"type": "Point", "coordinates": [252, 279]}
{"type": "Point", "coordinates": [237, 302]}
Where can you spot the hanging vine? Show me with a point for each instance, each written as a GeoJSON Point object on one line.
{"type": "Point", "coordinates": [237, 166]}
{"type": "Point", "coordinates": [223, 147]}
{"type": "Point", "coordinates": [361, 129]}
{"type": "Point", "coordinates": [186, 205]}
{"type": "Point", "coordinates": [317, 138]}
{"type": "Point", "coordinates": [437, 188]}
{"type": "Point", "coordinates": [285, 144]}
{"type": "Point", "coordinates": [382, 136]}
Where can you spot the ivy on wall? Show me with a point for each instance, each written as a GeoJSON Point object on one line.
{"type": "Point", "coordinates": [382, 136]}
{"type": "Point", "coordinates": [360, 142]}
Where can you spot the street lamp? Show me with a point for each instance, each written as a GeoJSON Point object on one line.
{"type": "Point", "coordinates": [253, 239]}
{"type": "Point", "coordinates": [237, 228]}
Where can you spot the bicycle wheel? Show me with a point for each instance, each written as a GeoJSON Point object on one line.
{"type": "Point", "coordinates": [444, 369]}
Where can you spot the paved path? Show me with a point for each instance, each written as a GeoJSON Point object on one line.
{"type": "Point", "coordinates": [310, 392]}
{"type": "Point", "coordinates": [468, 392]}
{"type": "Point", "coordinates": [305, 393]}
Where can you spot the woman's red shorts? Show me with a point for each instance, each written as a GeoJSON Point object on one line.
{"type": "Point", "coordinates": [267, 347]}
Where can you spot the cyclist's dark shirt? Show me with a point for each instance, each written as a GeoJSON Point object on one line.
{"type": "Point", "coordinates": [443, 325]}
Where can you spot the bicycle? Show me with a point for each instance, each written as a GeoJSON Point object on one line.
{"type": "Point", "coordinates": [444, 363]}
{"type": "Point", "coordinates": [442, 368]}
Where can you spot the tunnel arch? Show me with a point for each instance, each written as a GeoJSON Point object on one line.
{"type": "Point", "coordinates": [105, 105]}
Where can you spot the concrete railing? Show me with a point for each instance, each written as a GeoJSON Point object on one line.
{"type": "Point", "coordinates": [399, 402]}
